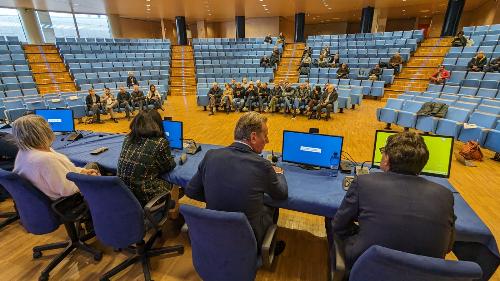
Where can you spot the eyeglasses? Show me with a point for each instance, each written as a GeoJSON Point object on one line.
{"type": "Point", "coordinates": [382, 149]}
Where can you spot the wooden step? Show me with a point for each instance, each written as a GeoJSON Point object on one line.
{"type": "Point", "coordinates": [182, 63]}
{"type": "Point", "coordinates": [56, 88]}
{"type": "Point", "coordinates": [38, 58]}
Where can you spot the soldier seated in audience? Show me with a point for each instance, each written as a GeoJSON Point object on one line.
{"type": "Point", "coordinates": [110, 103]}
{"type": "Point", "coordinates": [125, 101]}
{"type": "Point", "coordinates": [233, 83]}
{"type": "Point", "coordinates": [459, 40]}
{"type": "Point", "coordinates": [329, 97]}
{"type": "Point", "coordinates": [264, 94]}
{"type": "Point", "coordinates": [138, 98]}
{"type": "Point", "coordinates": [375, 73]}
{"type": "Point", "coordinates": [493, 66]}
{"type": "Point", "coordinates": [440, 76]}
{"type": "Point", "coordinates": [265, 62]}
{"type": "Point", "coordinates": [343, 72]}
{"type": "Point", "coordinates": [239, 97]}
{"type": "Point", "coordinates": [268, 39]}
{"type": "Point", "coordinates": [154, 97]}
{"type": "Point", "coordinates": [227, 98]}
{"type": "Point", "coordinates": [477, 63]}
{"type": "Point", "coordinates": [314, 100]}
{"type": "Point", "coordinates": [251, 96]}
{"type": "Point", "coordinates": [93, 102]}
{"type": "Point", "coordinates": [214, 98]}
{"type": "Point", "coordinates": [395, 62]}
{"type": "Point", "coordinates": [131, 80]}
{"type": "Point", "coordinates": [306, 61]}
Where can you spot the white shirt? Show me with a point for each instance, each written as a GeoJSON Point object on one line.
{"type": "Point", "coordinates": [47, 171]}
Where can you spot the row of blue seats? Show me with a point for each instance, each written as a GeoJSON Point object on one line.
{"type": "Point", "coordinates": [462, 101]}
{"type": "Point", "coordinates": [232, 70]}
{"type": "Point", "coordinates": [147, 63]}
{"type": "Point", "coordinates": [238, 47]}
{"type": "Point", "coordinates": [14, 67]}
{"type": "Point", "coordinates": [366, 53]}
{"type": "Point", "coordinates": [77, 49]}
{"type": "Point", "coordinates": [231, 40]}
{"type": "Point", "coordinates": [355, 73]}
{"type": "Point", "coordinates": [71, 40]}
{"type": "Point", "coordinates": [18, 92]}
{"type": "Point", "coordinates": [11, 39]}
{"type": "Point", "coordinates": [110, 79]}
{"type": "Point", "coordinates": [460, 64]}
{"type": "Point", "coordinates": [68, 58]}
{"type": "Point", "coordinates": [162, 85]}
{"type": "Point", "coordinates": [469, 52]}
{"type": "Point", "coordinates": [17, 86]}
{"type": "Point", "coordinates": [118, 69]}
{"type": "Point", "coordinates": [16, 79]}
{"type": "Point", "coordinates": [489, 80]}
{"type": "Point", "coordinates": [485, 40]}
{"type": "Point", "coordinates": [365, 62]}
{"type": "Point", "coordinates": [243, 54]}
{"type": "Point", "coordinates": [229, 64]}
{"type": "Point", "coordinates": [466, 91]}
{"type": "Point", "coordinates": [482, 29]}
{"type": "Point", "coordinates": [369, 87]}
{"type": "Point", "coordinates": [13, 59]}
{"type": "Point", "coordinates": [11, 49]}
{"type": "Point", "coordinates": [223, 77]}
{"type": "Point", "coordinates": [404, 113]}
{"type": "Point", "coordinates": [377, 44]}
{"type": "Point", "coordinates": [395, 34]}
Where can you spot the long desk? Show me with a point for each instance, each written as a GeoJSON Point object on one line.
{"type": "Point", "coordinates": [309, 191]}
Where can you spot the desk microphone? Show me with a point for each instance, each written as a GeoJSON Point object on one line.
{"type": "Point", "coordinates": [183, 159]}
{"type": "Point", "coordinates": [274, 158]}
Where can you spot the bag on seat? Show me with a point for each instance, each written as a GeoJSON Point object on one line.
{"type": "Point", "coordinates": [471, 151]}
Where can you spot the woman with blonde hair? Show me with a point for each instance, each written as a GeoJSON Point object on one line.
{"type": "Point", "coordinates": [227, 98]}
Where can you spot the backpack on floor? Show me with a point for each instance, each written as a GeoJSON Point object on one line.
{"type": "Point", "coordinates": [471, 151]}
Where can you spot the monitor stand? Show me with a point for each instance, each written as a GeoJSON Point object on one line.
{"type": "Point", "coordinates": [74, 136]}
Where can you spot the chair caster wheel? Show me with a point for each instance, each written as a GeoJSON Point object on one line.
{"type": "Point", "coordinates": [98, 257]}
{"type": "Point", "coordinates": [37, 255]}
{"type": "Point", "coordinates": [43, 278]}
{"type": "Point", "coordinates": [181, 251]}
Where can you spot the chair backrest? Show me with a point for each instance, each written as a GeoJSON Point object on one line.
{"type": "Point", "coordinates": [117, 216]}
{"type": "Point", "coordinates": [224, 246]}
{"type": "Point", "coordinates": [379, 263]}
{"type": "Point", "coordinates": [33, 206]}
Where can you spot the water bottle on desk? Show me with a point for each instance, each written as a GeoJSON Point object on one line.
{"type": "Point", "coordinates": [334, 164]}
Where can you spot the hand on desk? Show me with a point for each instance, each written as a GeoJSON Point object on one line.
{"type": "Point", "coordinates": [90, 172]}
{"type": "Point", "coordinates": [278, 170]}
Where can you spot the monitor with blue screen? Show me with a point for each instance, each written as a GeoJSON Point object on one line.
{"type": "Point", "coordinates": [60, 120]}
{"type": "Point", "coordinates": [173, 132]}
{"type": "Point", "coordinates": [440, 152]}
{"type": "Point", "coordinates": [311, 149]}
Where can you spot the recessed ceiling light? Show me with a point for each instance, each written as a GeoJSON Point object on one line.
{"type": "Point", "coordinates": [263, 5]}
{"type": "Point", "coordinates": [329, 8]}
{"type": "Point", "coordinates": [404, 10]}
{"type": "Point", "coordinates": [147, 5]}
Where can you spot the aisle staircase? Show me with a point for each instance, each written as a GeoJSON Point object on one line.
{"type": "Point", "coordinates": [423, 63]}
{"type": "Point", "coordinates": [182, 77]}
{"type": "Point", "coordinates": [49, 71]}
{"type": "Point", "coordinates": [288, 67]}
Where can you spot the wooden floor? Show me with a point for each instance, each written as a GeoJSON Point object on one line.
{"type": "Point", "coordinates": [305, 255]}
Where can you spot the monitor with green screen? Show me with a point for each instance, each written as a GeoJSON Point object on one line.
{"type": "Point", "coordinates": [440, 152]}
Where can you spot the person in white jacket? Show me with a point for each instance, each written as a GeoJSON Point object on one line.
{"type": "Point", "coordinates": [154, 97]}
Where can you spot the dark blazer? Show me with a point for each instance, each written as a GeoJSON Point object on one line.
{"type": "Point", "coordinates": [401, 212]}
{"type": "Point", "coordinates": [234, 179]}
{"type": "Point", "coordinates": [90, 103]}
{"type": "Point", "coordinates": [131, 81]}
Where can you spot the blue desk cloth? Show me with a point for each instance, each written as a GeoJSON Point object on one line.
{"type": "Point", "coordinates": [309, 191]}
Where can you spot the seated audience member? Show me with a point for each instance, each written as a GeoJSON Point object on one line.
{"type": "Point", "coordinates": [493, 65]}
{"type": "Point", "coordinates": [8, 152]}
{"type": "Point", "coordinates": [214, 98]}
{"type": "Point", "coordinates": [264, 94]}
{"type": "Point", "coordinates": [138, 98]}
{"type": "Point", "coordinates": [265, 62]}
{"type": "Point", "coordinates": [275, 57]}
{"type": "Point", "coordinates": [343, 72]}
{"type": "Point", "coordinates": [395, 62]}
{"type": "Point", "coordinates": [440, 76]}
{"type": "Point", "coordinates": [335, 60]}
{"type": "Point", "coordinates": [251, 96]}
{"type": "Point", "coordinates": [314, 101]}
{"type": "Point", "coordinates": [124, 100]}
{"type": "Point", "coordinates": [244, 83]}
{"type": "Point", "coordinates": [110, 103]}
{"type": "Point", "coordinates": [290, 99]}
{"type": "Point", "coordinates": [306, 61]}
{"type": "Point", "coordinates": [276, 97]}
{"type": "Point", "coordinates": [145, 157]}
{"type": "Point", "coordinates": [325, 51]}
{"type": "Point", "coordinates": [227, 98]}
{"type": "Point", "coordinates": [233, 83]}
{"type": "Point", "coordinates": [281, 39]}
{"type": "Point", "coordinates": [477, 63]}
{"type": "Point", "coordinates": [303, 93]}
{"type": "Point", "coordinates": [323, 61]}
{"type": "Point", "coordinates": [247, 177]}
{"type": "Point", "coordinates": [93, 102]}
{"type": "Point", "coordinates": [329, 97]}
{"type": "Point", "coordinates": [375, 73]}
{"type": "Point", "coordinates": [239, 97]}
{"type": "Point", "coordinates": [131, 80]}
{"type": "Point", "coordinates": [154, 97]}
{"type": "Point", "coordinates": [459, 40]}
{"type": "Point", "coordinates": [397, 209]}
{"type": "Point", "coordinates": [268, 39]}
{"type": "Point", "coordinates": [38, 163]}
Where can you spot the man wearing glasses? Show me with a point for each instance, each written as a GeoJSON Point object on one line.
{"type": "Point", "coordinates": [397, 208]}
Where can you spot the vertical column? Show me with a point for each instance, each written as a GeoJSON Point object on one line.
{"type": "Point", "coordinates": [240, 26]}
{"type": "Point", "coordinates": [452, 17]}
{"type": "Point", "coordinates": [201, 28]}
{"type": "Point", "coordinates": [114, 25]}
{"type": "Point", "coordinates": [379, 21]}
{"type": "Point", "coordinates": [367, 19]}
{"type": "Point", "coordinates": [163, 35]}
{"type": "Point", "coordinates": [180, 23]}
{"type": "Point", "coordinates": [31, 26]}
{"type": "Point", "coordinates": [300, 21]}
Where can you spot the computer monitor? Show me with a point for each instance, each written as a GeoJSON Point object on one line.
{"type": "Point", "coordinates": [60, 120]}
{"type": "Point", "coordinates": [311, 149]}
{"type": "Point", "coordinates": [173, 132]}
{"type": "Point", "coordinates": [440, 153]}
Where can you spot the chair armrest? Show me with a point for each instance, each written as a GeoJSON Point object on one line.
{"type": "Point", "coordinates": [339, 269]}
{"type": "Point", "coordinates": [159, 203]}
{"type": "Point", "coordinates": [267, 249]}
{"type": "Point", "coordinates": [71, 208]}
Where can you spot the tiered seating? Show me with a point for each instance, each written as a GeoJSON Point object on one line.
{"type": "Point", "coordinates": [362, 52]}
{"type": "Point", "coordinates": [99, 63]}
{"type": "Point", "coordinates": [481, 111]}
{"type": "Point", "coordinates": [15, 75]}
{"type": "Point", "coordinates": [223, 58]}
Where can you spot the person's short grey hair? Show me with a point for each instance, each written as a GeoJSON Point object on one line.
{"type": "Point", "coordinates": [248, 123]}
{"type": "Point", "coordinates": [32, 132]}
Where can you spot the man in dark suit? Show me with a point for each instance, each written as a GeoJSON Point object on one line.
{"type": "Point", "coordinates": [329, 97]}
{"type": "Point", "coordinates": [235, 178]}
{"type": "Point", "coordinates": [93, 102]}
{"type": "Point", "coordinates": [397, 209]}
{"type": "Point", "coordinates": [131, 80]}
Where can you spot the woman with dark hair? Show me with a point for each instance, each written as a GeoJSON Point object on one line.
{"type": "Point", "coordinates": [145, 156]}
{"type": "Point", "coordinates": [154, 97]}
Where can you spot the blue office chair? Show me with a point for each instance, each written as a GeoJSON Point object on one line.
{"type": "Point", "coordinates": [9, 217]}
{"type": "Point", "coordinates": [39, 215]}
{"type": "Point", "coordinates": [120, 221]}
{"type": "Point", "coordinates": [224, 245]}
{"type": "Point", "coordinates": [383, 264]}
